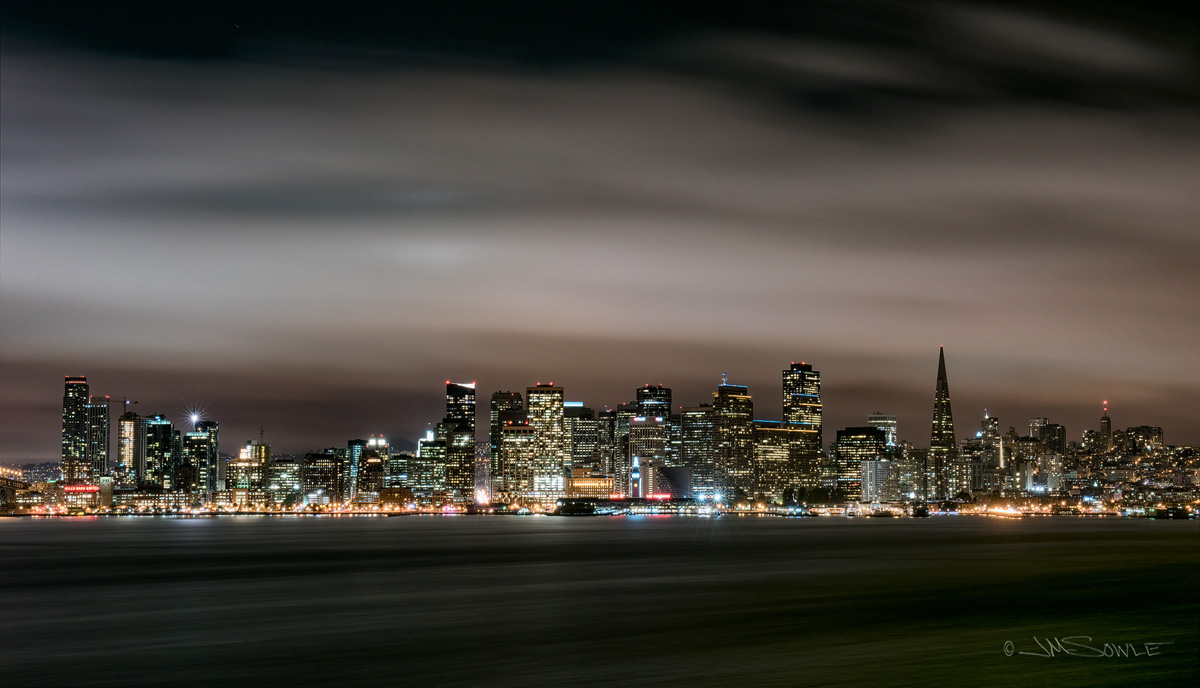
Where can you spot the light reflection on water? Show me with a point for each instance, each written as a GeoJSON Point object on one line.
{"type": "Point", "coordinates": [507, 600]}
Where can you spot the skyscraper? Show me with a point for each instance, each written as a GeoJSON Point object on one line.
{"type": "Point", "coordinates": [131, 449]}
{"type": "Point", "coordinates": [654, 401]}
{"type": "Point", "coordinates": [96, 447]}
{"type": "Point", "coordinates": [647, 450]}
{"type": "Point", "coordinates": [733, 438]}
{"type": "Point", "coordinates": [696, 451]}
{"type": "Point", "coordinates": [506, 407]}
{"type": "Point", "coordinates": [74, 430]}
{"type": "Point", "coordinates": [583, 434]}
{"type": "Point", "coordinates": [550, 459]}
{"type": "Point", "coordinates": [942, 445]}
{"type": "Point", "coordinates": [854, 446]}
{"type": "Point", "coordinates": [1106, 433]}
{"type": "Point", "coordinates": [160, 456]}
{"type": "Point", "coordinates": [514, 476]}
{"type": "Point", "coordinates": [802, 398]}
{"type": "Point", "coordinates": [885, 423]}
{"type": "Point", "coordinates": [458, 432]}
{"type": "Point", "coordinates": [201, 457]}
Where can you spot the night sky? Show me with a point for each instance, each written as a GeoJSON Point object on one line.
{"type": "Point", "coordinates": [309, 219]}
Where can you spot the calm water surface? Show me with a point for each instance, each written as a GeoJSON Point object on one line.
{"type": "Point", "coordinates": [593, 601]}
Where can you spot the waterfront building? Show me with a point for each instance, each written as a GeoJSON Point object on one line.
{"type": "Point", "coordinates": [75, 467]}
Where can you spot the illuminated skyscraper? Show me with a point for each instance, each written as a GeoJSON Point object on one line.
{"type": "Point", "coordinates": [201, 457]}
{"type": "Point", "coordinates": [131, 449]}
{"type": "Point", "coordinates": [885, 423]}
{"type": "Point", "coordinates": [514, 476]}
{"type": "Point", "coordinates": [854, 446]}
{"type": "Point", "coordinates": [654, 401]}
{"type": "Point", "coordinates": [696, 450]}
{"type": "Point", "coordinates": [733, 438]}
{"type": "Point", "coordinates": [1106, 433]}
{"type": "Point", "coordinates": [506, 407]}
{"type": "Point", "coordinates": [160, 457]}
{"type": "Point", "coordinates": [582, 431]}
{"type": "Point", "coordinates": [802, 398]}
{"type": "Point", "coordinates": [544, 408]}
{"type": "Point", "coordinates": [354, 452]}
{"type": "Point", "coordinates": [943, 451]}
{"type": "Point", "coordinates": [96, 453]}
{"type": "Point", "coordinates": [458, 432]}
{"type": "Point", "coordinates": [783, 455]}
{"type": "Point", "coordinates": [75, 468]}
{"type": "Point", "coordinates": [647, 450]}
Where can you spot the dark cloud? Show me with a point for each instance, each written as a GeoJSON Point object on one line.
{"type": "Point", "coordinates": [313, 225]}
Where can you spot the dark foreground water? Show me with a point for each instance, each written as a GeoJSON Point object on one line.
{"type": "Point", "coordinates": [594, 601]}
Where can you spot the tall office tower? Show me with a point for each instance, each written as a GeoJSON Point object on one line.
{"type": "Point", "coordinates": [201, 455]}
{"type": "Point", "coordinates": [283, 479]}
{"type": "Point", "coordinates": [74, 430]}
{"type": "Point", "coordinates": [1106, 433]}
{"type": "Point", "coordinates": [696, 449]}
{"type": "Point", "coordinates": [544, 407]}
{"type": "Point", "coordinates": [249, 470]}
{"type": "Point", "coordinates": [160, 458]}
{"type": "Point", "coordinates": [942, 445]}
{"type": "Point", "coordinates": [1054, 436]}
{"type": "Point", "coordinates": [96, 452]}
{"type": "Point", "coordinates": [853, 446]}
{"type": "Point", "coordinates": [459, 435]}
{"type": "Point", "coordinates": [379, 445]}
{"type": "Point", "coordinates": [802, 398]}
{"type": "Point", "coordinates": [733, 439]}
{"type": "Point", "coordinates": [674, 439]}
{"type": "Point", "coordinates": [427, 469]}
{"type": "Point", "coordinates": [607, 441]}
{"type": "Point", "coordinates": [506, 407]}
{"type": "Point", "coordinates": [354, 452]}
{"type": "Point", "coordinates": [370, 477]}
{"type": "Point", "coordinates": [654, 401]}
{"type": "Point", "coordinates": [1036, 425]}
{"type": "Point", "coordinates": [397, 469]}
{"type": "Point", "coordinates": [514, 483]}
{"type": "Point", "coordinates": [583, 433]}
{"type": "Point", "coordinates": [648, 451]}
{"type": "Point", "coordinates": [782, 453]}
{"type": "Point", "coordinates": [131, 450]}
{"type": "Point", "coordinates": [989, 434]}
{"type": "Point", "coordinates": [323, 475]}
{"type": "Point", "coordinates": [885, 423]}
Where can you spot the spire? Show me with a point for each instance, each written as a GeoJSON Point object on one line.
{"type": "Point", "coordinates": [941, 363]}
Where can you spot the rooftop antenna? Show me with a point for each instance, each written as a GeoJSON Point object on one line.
{"type": "Point", "coordinates": [724, 378]}
{"type": "Point", "coordinates": [260, 435]}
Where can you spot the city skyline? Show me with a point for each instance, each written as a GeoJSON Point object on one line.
{"type": "Point", "coordinates": [454, 393]}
